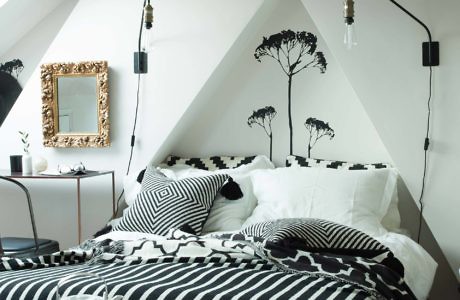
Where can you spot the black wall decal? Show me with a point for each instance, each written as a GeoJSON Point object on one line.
{"type": "Point", "coordinates": [294, 51]}
{"type": "Point", "coordinates": [9, 86]}
{"type": "Point", "coordinates": [263, 117]}
{"type": "Point", "coordinates": [316, 130]}
{"type": "Point", "coordinates": [13, 67]}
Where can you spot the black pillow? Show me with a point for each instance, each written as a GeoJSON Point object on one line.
{"type": "Point", "coordinates": [164, 203]}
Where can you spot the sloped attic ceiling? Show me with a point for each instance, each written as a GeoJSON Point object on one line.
{"type": "Point", "coordinates": [24, 42]}
{"type": "Point", "coordinates": [19, 17]}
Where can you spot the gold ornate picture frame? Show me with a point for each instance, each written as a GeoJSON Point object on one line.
{"type": "Point", "coordinates": [53, 75]}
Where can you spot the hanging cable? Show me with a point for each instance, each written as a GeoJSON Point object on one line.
{"type": "Point", "coordinates": [431, 58]}
{"type": "Point", "coordinates": [425, 161]}
{"type": "Point", "coordinates": [133, 133]}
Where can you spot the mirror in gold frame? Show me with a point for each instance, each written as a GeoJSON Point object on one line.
{"type": "Point", "coordinates": [75, 107]}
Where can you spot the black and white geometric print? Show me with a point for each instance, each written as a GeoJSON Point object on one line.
{"type": "Point", "coordinates": [317, 235]}
{"type": "Point", "coordinates": [371, 276]}
{"type": "Point", "coordinates": [212, 163]}
{"type": "Point", "coordinates": [190, 267]}
{"type": "Point", "coordinates": [299, 161]}
{"type": "Point", "coordinates": [164, 203]}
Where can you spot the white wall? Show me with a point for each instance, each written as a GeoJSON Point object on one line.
{"type": "Point", "coordinates": [386, 73]}
{"type": "Point", "coordinates": [221, 127]}
{"type": "Point", "coordinates": [189, 41]}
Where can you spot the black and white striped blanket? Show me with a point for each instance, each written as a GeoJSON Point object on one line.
{"type": "Point", "coordinates": [184, 266]}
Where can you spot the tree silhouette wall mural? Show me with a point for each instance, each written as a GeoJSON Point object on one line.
{"type": "Point", "coordinates": [9, 86]}
{"type": "Point", "coordinates": [316, 130]}
{"type": "Point", "coordinates": [294, 52]}
{"type": "Point", "coordinates": [263, 117]}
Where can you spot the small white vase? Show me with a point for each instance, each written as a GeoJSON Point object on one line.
{"type": "Point", "coordinates": [26, 164]}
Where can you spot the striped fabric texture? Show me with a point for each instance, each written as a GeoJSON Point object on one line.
{"type": "Point", "coordinates": [184, 266]}
{"type": "Point", "coordinates": [317, 235]}
{"type": "Point", "coordinates": [187, 279]}
{"type": "Point", "coordinates": [164, 203]}
{"type": "Point", "coordinates": [212, 163]}
{"type": "Point", "coordinates": [299, 161]}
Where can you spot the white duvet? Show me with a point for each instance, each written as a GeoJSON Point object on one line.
{"type": "Point", "coordinates": [419, 266]}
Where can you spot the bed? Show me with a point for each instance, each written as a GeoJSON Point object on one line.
{"type": "Point", "coordinates": [254, 247]}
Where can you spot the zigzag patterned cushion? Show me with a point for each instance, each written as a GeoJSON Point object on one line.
{"type": "Point", "coordinates": [164, 203]}
{"type": "Point", "coordinates": [317, 235]}
{"type": "Point", "coordinates": [212, 163]}
{"type": "Point", "coordinates": [299, 161]}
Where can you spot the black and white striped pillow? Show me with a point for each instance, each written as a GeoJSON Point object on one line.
{"type": "Point", "coordinates": [212, 163]}
{"type": "Point", "coordinates": [317, 235]}
{"type": "Point", "coordinates": [299, 161]}
{"type": "Point", "coordinates": [164, 203]}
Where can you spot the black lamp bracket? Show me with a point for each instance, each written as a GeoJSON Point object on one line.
{"type": "Point", "coordinates": [430, 49]}
{"type": "Point", "coordinates": [140, 62]}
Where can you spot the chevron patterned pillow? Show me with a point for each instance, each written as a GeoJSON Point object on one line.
{"type": "Point", "coordinates": [317, 235]}
{"type": "Point", "coordinates": [164, 203]}
{"type": "Point", "coordinates": [300, 161]}
{"type": "Point", "coordinates": [212, 163]}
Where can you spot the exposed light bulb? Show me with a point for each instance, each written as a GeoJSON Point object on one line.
{"type": "Point", "coordinates": [145, 45]}
{"type": "Point", "coordinates": [350, 33]}
{"type": "Point", "coordinates": [148, 20]}
{"type": "Point", "coordinates": [349, 38]}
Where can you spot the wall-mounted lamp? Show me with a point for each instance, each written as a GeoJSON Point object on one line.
{"type": "Point", "coordinates": [141, 56]}
{"type": "Point", "coordinates": [430, 49]}
{"type": "Point", "coordinates": [350, 33]}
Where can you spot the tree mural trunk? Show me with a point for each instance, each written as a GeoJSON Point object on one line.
{"type": "Point", "coordinates": [309, 150]}
{"type": "Point", "coordinates": [271, 145]}
{"type": "Point", "coordinates": [289, 114]}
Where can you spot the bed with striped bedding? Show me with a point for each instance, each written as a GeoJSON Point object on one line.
{"type": "Point", "coordinates": [185, 266]}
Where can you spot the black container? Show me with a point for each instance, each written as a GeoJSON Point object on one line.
{"type": "Point", "coordinates": [16, 163]}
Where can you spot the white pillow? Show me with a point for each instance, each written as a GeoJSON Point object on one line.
{"type": "Point", "coordinates": [392, 219]}
{"type": "Point", "coordinates": [226, 215]}
{"type": "Point", "coordinates": [131, 187]}
{"type": "Point", "coordinates": [358, 199]}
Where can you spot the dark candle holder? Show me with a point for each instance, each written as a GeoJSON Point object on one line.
{"type": "Point", "coordinates": [16, 163]}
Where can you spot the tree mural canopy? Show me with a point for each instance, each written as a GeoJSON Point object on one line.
{"type": "Point", "coordinates": [317, 129]}
{"type": "Point", "coordinates": [288, 48]}
{"type": "Point", "coordinates": [13, 67]}
{"type": "Point", "coordinates": [263, 117]}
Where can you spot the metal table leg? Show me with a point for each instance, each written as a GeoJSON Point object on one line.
{"type": "Point", "coordinates": [78, 211]}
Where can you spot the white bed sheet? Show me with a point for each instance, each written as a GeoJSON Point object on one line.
{"type": "Point", "coordinates": [419, 266]}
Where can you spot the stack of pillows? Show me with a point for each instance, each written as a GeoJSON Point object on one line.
{"type": "Point", "coordinates": [186, 193]}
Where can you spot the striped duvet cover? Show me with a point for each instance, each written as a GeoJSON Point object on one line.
{"type": "Point", "coordinates": [191, 267]}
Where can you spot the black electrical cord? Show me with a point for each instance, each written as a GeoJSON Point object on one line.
{"type": "Point", "coordinates": [133, 134]}
{"type": "Point", "coordinates": [425, 161]}
{"type": "Point", "coordinates": [427, 135]}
